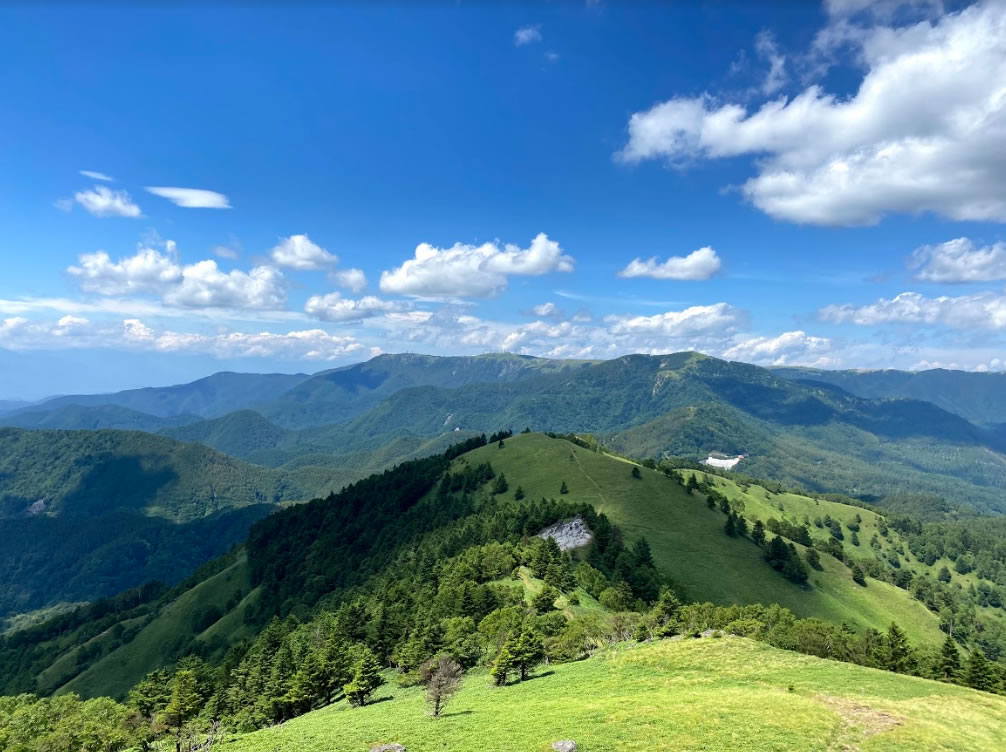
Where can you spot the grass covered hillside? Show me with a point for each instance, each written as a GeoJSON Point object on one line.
{"type": "Point", "coordinates": [87, 514]}
{"type": "Point", "coordinates": [685, 404]}
{"type": "Point", "coordinates": [715, 694]}
{"type": "Point", "coordinates": [688, 540]}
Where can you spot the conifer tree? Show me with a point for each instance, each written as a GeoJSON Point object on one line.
{"type": "Point", "coordinates": [503, 666]}
{"type": "Point", "coordinates": [183, 706]}
{"type": "Point", "coordinates": [758, 533]}
{"type": "Point", "coordinates": [366, 679]}
{"type": "Point", "coordinates": [636, 474]}
{"type": "Point", "coordinates": [500, 485]}
{"type": "Point", "coordinates": [898, 655]}
{"type": "Point", "coordinates": [729, 527]}
{"type": "Point", "coordinates": [664, 613]}
{"type": "Point", "coordinates": [814, 559]}
{"type": "Point", "coordinates": [979, 673]}
{"type": "Point", "coordinates": [518, 494]}
{"type": "Point", "coordinates": [948, 665]}
{"type": "Point", "coordinates": [564, 489]}
{"type": "Point", "coordinates": [858, 576]}
{"type": "Point", "coordinates": [528, 652]}
{"type": "Point", "coordinates": [545, 600]}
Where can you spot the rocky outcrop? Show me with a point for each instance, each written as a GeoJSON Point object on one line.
{"type": "Point", "coordinates": [569, 533]}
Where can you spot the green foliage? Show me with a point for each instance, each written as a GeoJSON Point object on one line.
{"type": "Point", "coordinates": [366, 679]}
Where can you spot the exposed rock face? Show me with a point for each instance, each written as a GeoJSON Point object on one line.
{"type": "Point", "coordinates": [566, 745]}
{"type": "Point", "coordinates": [569, 533]}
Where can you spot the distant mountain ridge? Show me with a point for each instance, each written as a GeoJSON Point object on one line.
{"type": "Point", "coordinates": [978, 396]}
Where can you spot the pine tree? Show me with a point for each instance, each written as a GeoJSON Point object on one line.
{"type": "Point", "coordinates": [979, 673]}
{"type": "Point", "coordinates": [545, 600]}
{"type": "Point", "coordinates": [729, 527]}
{"type": "Point", "coordinates": [814, 559]}
{"type": "Point", "coordinates": [366, 679]}
{"type": "Point", "coordinates": [948, 664]}
{"type": "Point", "coordinates": [500, 485]}
{"type": "Point", "coordinates": [944, 575]}
{"type": "Point", "coordinates": [642, 554]}
{"type": "Point", "coordinates": [500, 445]}
{"type": "Point", "coordinates": [758, 533]}
{"type": "Point", "coordinates": [742, 525]}
{"type": "Point", "coordinates": [858, 575]}
{"type": "Point", "coordinates": [503, 666]}
{"type": "Point", "coordinates": [183, 706]}
{"type": "Point", "coordinates": [898, 655]}
{"type": "Point", "coordinates": [664, 613]}
{"type": "Point", "coordinates": [564, 489]}
{"type": "Point", "coordinates": [636, 474]}
{"type": "Point", "coordinates": [528, 652]}
{"type": "Point", "coordinates": [518, 494]}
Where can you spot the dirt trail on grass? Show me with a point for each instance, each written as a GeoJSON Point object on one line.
{"type": "Point", "coordinates": [587, 476]}
{"type": "Point", "coordinates": [858, 722]}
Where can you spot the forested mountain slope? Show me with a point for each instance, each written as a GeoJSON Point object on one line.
{"type": "Point", "coordinates": [308, 555]}
{"type": "Point", "coordinates": [85, 514]}
{"type": "Point", "coordinates": [207, 397]}
{"type": "Point", "coordinates": [978, 397]}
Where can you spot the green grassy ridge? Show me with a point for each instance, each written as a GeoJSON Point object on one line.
{"type": "Point", "coordinates": [715, 694]}
{"type": "Point", "coordinates": [153, 647]}
{"type": "Point", "coordinates": [688, 541]}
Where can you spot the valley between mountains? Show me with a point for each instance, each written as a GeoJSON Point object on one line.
{"type": "Point", "coordinates": [272, 562]}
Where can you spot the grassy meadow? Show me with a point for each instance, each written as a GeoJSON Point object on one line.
{"type": "Point", "coordinates": [710, 694]}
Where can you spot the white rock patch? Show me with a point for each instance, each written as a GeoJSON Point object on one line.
{"type": "Point", "coordinates": [726, 464]}
{"type": "Point", "coordinates": [569, 534]}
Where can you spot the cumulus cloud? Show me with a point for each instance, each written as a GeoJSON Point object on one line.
{"type": "Point", "coordinates": [981, 311]}
{"type": "Point", "coordinates": [527, 35]}
{"type": "Point", "coordinates": [334, 307]}
{"type": "Point", "coordinates": [204, 285]}
{"type": "Point", "coordinates": [959, 260]}
{"type": "Point", "coordinates": [97, 176]}
{"type": "Point", "coordinates": [198, 285]}
{"type": "Point", "coordinates": [351, 279]}
{"type": "Point", "coordinates": [721, 317]}
{"type": "Point", "coordinates": [926, 130]}
{"type": "Point", "coordinates": [468, 271]}
{"type": "Point", "coordinates": [191, 198]}
{"type": "Point", "coordinates": [102, 201]}
{"type": "Point", "coordinates": [298, 252]}
{"type": "Point", "coordinates": [700, 264]}
{"type": "Point", "coordinates": [148, 271]}
{"type": "Point", "coordinates": [788, 348]}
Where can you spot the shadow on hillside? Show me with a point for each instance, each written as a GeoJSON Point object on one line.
{"type": "Point", "coordinates": [542, 675]}
{"type": "Point", "coordinates": [458, 712]}
{"type": "Point", "coordinates": [115, 482]}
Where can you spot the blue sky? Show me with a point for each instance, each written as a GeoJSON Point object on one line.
{"type": "Point", "coordinates": [815, 185]}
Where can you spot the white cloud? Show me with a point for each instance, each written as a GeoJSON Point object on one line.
{"type": "Point", "coordinates": [298, 252]}
{"type": "Point", "coordinates": [959, 260]}
{"type": "Point", "coordinates": [97, 176]}
{"type": "Point", "coordinates": [924, 132]}
{"type": "Point", "coordinates": [334, 307]}
{"type": "Point", "coordinates": [104, 202]}
{"type": "Point", "coordinates": [719, 317]}
{"type": "Point", "coordinates": [981, 311]}
{"type": "Point", "coordinates": [351, 279]}
{"type": "Point", "coordinates": [527, 35]}
{"type": "Point", "coordinates": [203, 285]}
{"type": "Point", "coordinates": [788, 348]}
{"type": "Point", "coordinates": [198, 285]}
{"type": "Point", "coordinates": [552, 56]}
{"type": "Point", "coordinates": [700, 264]}
{"type": "Point", "coordinates": [767, 49]}
{"type": "Point", "coordinates": [133, 334]}
{"type": "Point", "coordinates": [548, 310]}
{"type": "Point", "coordinates": [192, 198]}
{"type": "Point", "coordinates": [468, 271]}
{"type": "Point", "coordinates": [147, 271]}
{"type": "Point", "coordinates": [226, 252]}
